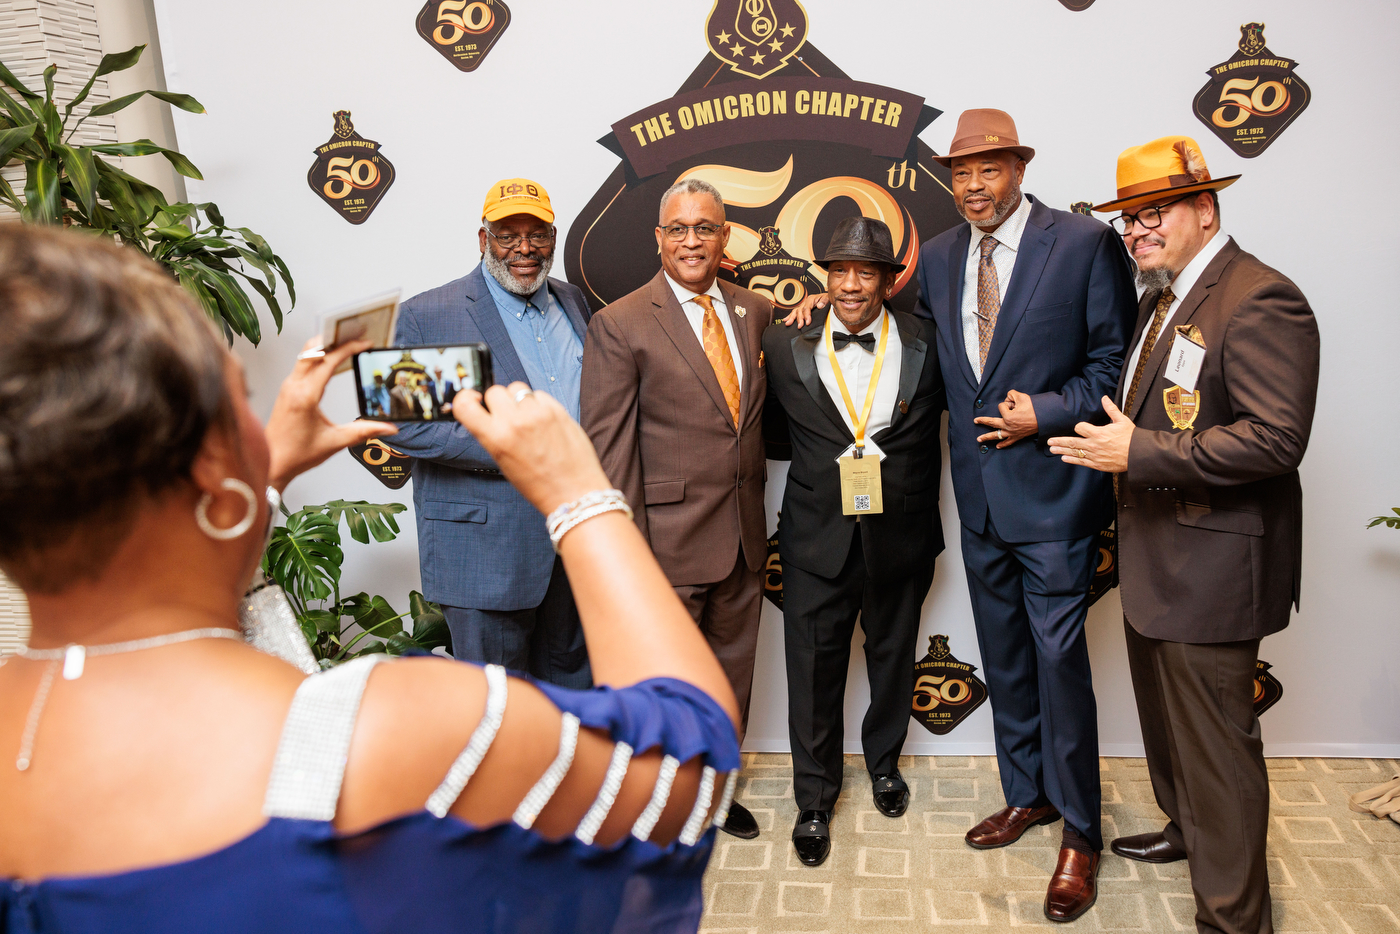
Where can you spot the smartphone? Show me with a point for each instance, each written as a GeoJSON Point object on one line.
{"type": "Point", "coordinates": [417, 384]}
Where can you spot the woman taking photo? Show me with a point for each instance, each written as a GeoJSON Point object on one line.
{"type": "Point", "coordinates": [159, 775]}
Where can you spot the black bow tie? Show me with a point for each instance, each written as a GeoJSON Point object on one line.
{"type": "Point", "coordinates": [840, 339]}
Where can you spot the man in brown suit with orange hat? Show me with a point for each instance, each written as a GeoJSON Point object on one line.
{"type": "Point", "coordinates": [672, 396]}
{"type": "Point", "coordinates": [1213, 412]}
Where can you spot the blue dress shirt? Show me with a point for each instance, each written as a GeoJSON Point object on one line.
{"type": "Point", "coordinates": [549, 349]}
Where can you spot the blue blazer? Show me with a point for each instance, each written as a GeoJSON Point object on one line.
{"type": "Point", "coordinates": [1060, 338]}
{"type": "Point", "coordinates": [480, 543]}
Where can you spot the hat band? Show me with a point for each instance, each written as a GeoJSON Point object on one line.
{"type": "Point", "coordinates": [1158, 184]}
{"type": "Point", "coordinates": [984, 141]}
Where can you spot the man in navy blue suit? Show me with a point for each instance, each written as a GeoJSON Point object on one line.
{"type": "Point", "coordinates": [1032, 307]}
{"type": "Point", "coordinates": [483, 549]}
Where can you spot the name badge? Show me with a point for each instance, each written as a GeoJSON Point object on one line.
{"type": "Point", "coordinates": [1187, 354]}
{"type": "Point", "coordinates": [860, 486]}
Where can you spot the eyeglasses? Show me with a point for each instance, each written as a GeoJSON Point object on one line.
{"type": "Point", "coordinates": [703, 231]}
{"type": "Point", "coordinates": [511, 241]}
{"type": "Point", "coordinates": [1147, 218]}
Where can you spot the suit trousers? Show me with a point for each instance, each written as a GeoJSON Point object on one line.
{"type": "Point", "coordinates": [1205, 757]}
{"type": "Point", "coordinates": [1029, 601]}
{"type": "Point", "coordinates": [819, 618]}
{"type": "Point", "coordinates": [727, 613]}
{"type": "Point", "coordinates": [545, 641]}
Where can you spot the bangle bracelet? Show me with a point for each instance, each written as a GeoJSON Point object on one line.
{"type": "Point", "coordinates": [569, 515]}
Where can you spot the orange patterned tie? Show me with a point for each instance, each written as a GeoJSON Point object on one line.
{"type": "Point", "coordinates": [1148, 343]}
{"type": "Point", "coordinates": [717, 349]}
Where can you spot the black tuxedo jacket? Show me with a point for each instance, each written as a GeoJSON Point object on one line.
{"type": "Point", "coordinates": [803, 424]}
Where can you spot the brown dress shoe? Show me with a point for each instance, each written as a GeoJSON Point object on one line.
{"type": "Point", "coordinates": [1148, 848]}
{"type": "Point", "coordinates": [1074, 886]}
{"type": "Point", "coordinates": [1006, 826]}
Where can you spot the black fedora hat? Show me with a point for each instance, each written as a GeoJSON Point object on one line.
{"type": "Point", "coordinates": [863, 240]}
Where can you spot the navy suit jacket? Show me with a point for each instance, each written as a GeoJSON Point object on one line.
{"type": "Point", "coordinates": [1060, 338]}
{"type": "Point", "coordinates": [480, 543]}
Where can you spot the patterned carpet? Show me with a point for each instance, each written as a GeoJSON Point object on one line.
{"type": "Point", "coordinates": [1331, 870]}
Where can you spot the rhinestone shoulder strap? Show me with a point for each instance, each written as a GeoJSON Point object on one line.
{"type": "Point", "coordinates": [470, 758]}
{"type": "Point", "coordinates": [310, 762]}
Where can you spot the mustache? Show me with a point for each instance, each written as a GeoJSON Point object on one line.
{"type": "Point", "coordinates": [1151, 238]}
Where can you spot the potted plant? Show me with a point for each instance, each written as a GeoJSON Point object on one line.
{"type": "Point", "coordinates": [73, 185]}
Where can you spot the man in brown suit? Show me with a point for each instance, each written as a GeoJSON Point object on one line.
{"type": "Point", "coordinates": [672, 396]}
{"type": "Point", "coordinates": [1217, 403]}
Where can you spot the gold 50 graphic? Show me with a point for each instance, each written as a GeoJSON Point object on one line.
{"type": "Point", "coordinates": [932, 690]}
{"type": "Point", "coordinates": [457, 18]}
{"type": "Point", "coordinates": [346, 173]}
{"type": "Point", "coordinates": [463, 31]}
{"type": "Point", "coordinates": [1268, 98]}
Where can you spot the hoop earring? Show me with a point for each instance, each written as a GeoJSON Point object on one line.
{"type": "Point", "coordinates": [201, 516]}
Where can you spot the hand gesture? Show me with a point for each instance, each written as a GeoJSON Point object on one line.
{"type": "Point", "coordinates": [1017, 421]}
{"type": "Point", "coordinates": [1100, 447]}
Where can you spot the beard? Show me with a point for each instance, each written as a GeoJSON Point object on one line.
{"type": "Point", "coordinates": [500, 271]}
{"type": "Point", "coordinates": [1003, 209]}
{"type": "Point", "coordinates": [1157, 278]}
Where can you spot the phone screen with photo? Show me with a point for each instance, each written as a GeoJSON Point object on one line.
{"type": "Point", "coordinates": [417, 384]}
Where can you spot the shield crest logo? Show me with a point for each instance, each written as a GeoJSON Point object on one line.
{"type": "Point", "coordinates": [1082, 207]}
{"type": "Point", "coordinates": [756, 37]}
{"type": "Point", "coordinates": [1252, 38]}
{"type": "Point", "coordinates": [1267, 688]}
{"type": "Point", "coordinates": [1182, 406]}
{"type": "Point", "coordinates": [946, 691]}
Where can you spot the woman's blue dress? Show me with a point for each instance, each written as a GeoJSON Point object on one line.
{"type": "Point", "coordinates": [424, 873]}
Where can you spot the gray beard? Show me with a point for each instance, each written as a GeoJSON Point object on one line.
{"type": "Point", "coordinates": [1004, 209]}
{"type": "Point", "coordinates": [500, 271]}
{"type": "Point", "coordinates": [1154, 280]}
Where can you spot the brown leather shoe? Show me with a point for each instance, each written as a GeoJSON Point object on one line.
{"type": "Point", "coordinates": [1148, 848]}
{"type": "Point", "coordinates": [1006, 826]}
{"type": "Point", "coordinates": [1074, 886]}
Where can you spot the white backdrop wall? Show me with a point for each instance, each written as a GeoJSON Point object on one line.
{"type": "Point", "coordinates": [1081, 86]}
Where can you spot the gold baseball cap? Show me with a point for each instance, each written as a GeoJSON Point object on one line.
{"type": "Point", "coordinates": [517, 196]}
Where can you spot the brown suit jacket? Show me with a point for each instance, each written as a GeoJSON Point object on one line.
{"type": "Point", "coordinates": [653, 407]}
{"type": "Point", "coordinates": [1210, 519]}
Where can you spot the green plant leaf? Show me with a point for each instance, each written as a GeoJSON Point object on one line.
{"type": "Point", "coordinates": [269, 298]}
{"type": "Point", "coordinates": [174, 232]}
{"type": "Point", "coordinates": [373, 614]}
{"type": "Point", "coordinates": [114, 105]}
{"type": "Point", "coordinates": [119, 61]}
{"type": "Point", "coordinates": [20, 114]}
{"type": "Point", "coordinates": [286, 277]}
{"type": "Point", "coordinates": [78, 164]}
{"type": "Point", "coordinates": [305, 556]}
{"type": "Point", "coordinates": [50, 121]}
{"type": "Point", "coordinates": [234, 305]}
{"type": "Point", "coordinates": [429, 624]}
{"type": "Point", "coordinates": [41, 202]}
{"type": "Point", "coordinates": [7, 194]}
{"type": "Point", "coordinates": [364, 519]}
{"type": "Point", "coordinates": [183, 101]}
{"type": "Point", "coordinates": [9, 78]}
{"type": "Point", "coordinates": [49, 72]}
{"type": "Point", "coordinates": [12, 139]}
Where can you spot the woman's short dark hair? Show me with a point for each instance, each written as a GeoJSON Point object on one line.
{"type": "Point", "coordinates": [110, 376]}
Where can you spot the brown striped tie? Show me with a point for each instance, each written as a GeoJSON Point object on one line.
{"type": "Point", "coordinates": [1153, 331]}
{"type": "Point", "coordinates": [988, 299]}
{"type": "Point", "coordinates": [717, 349]}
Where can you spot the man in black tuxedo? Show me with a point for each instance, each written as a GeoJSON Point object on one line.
{"type": "Point", "coordinates": [861, 385]}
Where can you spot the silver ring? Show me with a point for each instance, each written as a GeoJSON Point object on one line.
{"type": "Point", "coordinates": [1000, 436]}
{"type": "Point", "coordinates": [522, 394]}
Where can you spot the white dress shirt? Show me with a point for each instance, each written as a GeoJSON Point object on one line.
{"type": "Point", "coordinates": [1008, 237]}
{"type": "Point", "coordinates": [695, 314]}
{"type": "Point", "coordinates": [1181, 286]}
{"type": "Point", "coordinates": [857, 364]}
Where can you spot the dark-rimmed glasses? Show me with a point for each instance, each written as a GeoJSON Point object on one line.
{"type": "Point", "coordinates": [511, 241]}
{"type": "Point", "coordinates": [703, 231]}
{"type": "Point", "coordinates": [1147, 218]}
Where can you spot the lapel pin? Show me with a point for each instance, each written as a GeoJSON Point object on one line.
{"type": "Point", "coordinates": [740, 310]}
{"type": "Point", "coordinates": [760, 358]}
{"type": "Point", "coordinates": [903, 407]}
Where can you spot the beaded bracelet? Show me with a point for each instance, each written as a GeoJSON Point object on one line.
{"type": "Point", "coordinates": [589, 506]}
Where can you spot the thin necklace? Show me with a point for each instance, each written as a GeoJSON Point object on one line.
{"type": "Point", "coordinates": [74, 658]}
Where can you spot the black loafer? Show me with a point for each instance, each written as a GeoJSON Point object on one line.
{"type": "Point", "coordinates": [811, 837]}
{"type": "Point", "coordinates": [891, 793]}
{"type": "Point", "coordinates": [739, 822]}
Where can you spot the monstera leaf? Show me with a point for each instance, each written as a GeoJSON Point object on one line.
{"type": "Point", "coordinates": [365, 519]}
{"type": "Point", "coordinates": [305, 557]}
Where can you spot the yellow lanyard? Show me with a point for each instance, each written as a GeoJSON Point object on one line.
{"type": "Point", "coordinates": [858, 423]}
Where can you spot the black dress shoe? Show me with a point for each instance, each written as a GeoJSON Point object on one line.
{"type": "Point", "coordinates": [891, 793]}
{"type": "Point", "coordinates": [1148, 848]}
{"type": "Point", "coordinates": [811, 837]}
{"type": "Point", "coordinates": [740, 823]}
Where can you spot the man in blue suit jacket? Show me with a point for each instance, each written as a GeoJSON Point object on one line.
{"type": "Point", "coordinates": [483, 549]}
{"type": "Point", "coordinates": [1031, 308]}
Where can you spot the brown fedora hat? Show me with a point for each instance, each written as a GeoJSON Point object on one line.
{"type": "Point", "coordinates": [984, 130]}
{"type": "Point", "coordinates": [862, 240]}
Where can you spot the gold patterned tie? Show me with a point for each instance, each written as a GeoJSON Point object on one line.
{"type": "Point", "coordinates": [1153, 331]}
{"type": "Point", "coordinates": [717, 349]}
{"type": "Point", "coordinates": [988, 299]}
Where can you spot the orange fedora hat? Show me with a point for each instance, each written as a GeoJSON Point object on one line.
{"type": "Point", "coordinates": [1170, 165]}
{"type": "Point", "coordinates": [984, 130]}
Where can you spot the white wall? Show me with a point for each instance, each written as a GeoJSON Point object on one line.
{"type": "Point", "coordinates": [1082, 87]}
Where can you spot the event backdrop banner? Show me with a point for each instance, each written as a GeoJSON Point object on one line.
{"type": "Point", "coordinates": [792, 143]}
